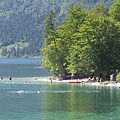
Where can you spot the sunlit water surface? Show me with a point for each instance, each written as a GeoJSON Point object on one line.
{"type": "Point", "coordinates": [57, 101]}
{"type": "Point", "coordinates": [22, 68]}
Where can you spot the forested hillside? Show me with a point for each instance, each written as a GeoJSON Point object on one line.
{"type": "Point", "coordinates": [21, 23]}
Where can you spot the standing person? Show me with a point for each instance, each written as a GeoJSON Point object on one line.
{"type": "Point", "coordinates": [72, 76]}
{"type": "Point", "coordinates": [50, 79]}
{"type": "Point", "coordinates": [10, 79]}
{"type": "Point", "coordinates": [112, 77]}
{"type": "Point", "coordinates": [97, 78]}
{"type": "Point", "coordinates": [89, 78]}
{"type": "Point", "coordinates": [100, 80]}
{"type": "Point", "coordinates": [116, 71]}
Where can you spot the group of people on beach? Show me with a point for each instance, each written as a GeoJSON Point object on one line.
{"type": "Point", "coordinates": [55, 78]}
{"type": "Point", "coordinates": [103, 77]}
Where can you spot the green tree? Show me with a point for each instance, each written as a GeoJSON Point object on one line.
{"type": "Point", "coordinates": [95, 47]}
{"type": "Point", "coordinates": [51, 59]}
{"type": "Point", "coordinates": [101, 44]}
{"type": "Point", "coordinates": [49, 25]}
{"type": "Point", "coordinates": [99, 10]}
{"type": "Point", "coordinates": [70, 26]}
{"type": "Point", "coordinates": [115, 10]}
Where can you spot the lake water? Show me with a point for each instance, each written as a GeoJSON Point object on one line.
{"type": "Point", "coordinates": [57, 101]}
{"type": "Point", "coordinates": [22, 68]}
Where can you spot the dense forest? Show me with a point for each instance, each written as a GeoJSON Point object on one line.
{"type": "Point", "coordinates": [21, 23]}
{"type": "Point", "coordinates": [86, 42]}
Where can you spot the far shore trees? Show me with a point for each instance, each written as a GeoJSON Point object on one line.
{"type": "Point", "coordinates": [84, 43]}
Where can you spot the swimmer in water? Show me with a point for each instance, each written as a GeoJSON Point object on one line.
{"type": "Point", "coordinates": [22, 91]}
{"type": "Point", "coordinates": [38, 91]}
{"type": "Point", "coordinates": [10, 79]}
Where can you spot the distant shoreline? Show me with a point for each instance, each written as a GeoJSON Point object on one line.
{"type": "Point", "coordinates": [82, 81]}
{"type": "Point", "coordinates": [47, 79]}
{"type": "Point", "coordinates": [21, 57]}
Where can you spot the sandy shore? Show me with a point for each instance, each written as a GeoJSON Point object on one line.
{"type": "Point", "coordinates": [47, 79]}
{"type": "Point", "coordinates": [82, 81]}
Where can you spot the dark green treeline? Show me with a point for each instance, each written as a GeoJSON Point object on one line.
{"type": "Point", "coordinates": [86, 42]}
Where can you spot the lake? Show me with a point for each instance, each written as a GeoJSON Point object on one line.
{"type": "Point", "coordinates": [29, 67]}
{"type": "Point", "coordinates": [57, 101]}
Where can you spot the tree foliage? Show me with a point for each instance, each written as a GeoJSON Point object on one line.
{"type": "Point", "coordinates": [85, 42]}
{"type": "Point", "coordinates": [115, 10]}
{"type": "Point", "coordinates": [52, 59]}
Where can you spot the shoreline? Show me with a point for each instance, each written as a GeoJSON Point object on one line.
{"type": "Point", "coordinates": [47, 79]}
{"type": "Point", "coordinates": [82, 81]}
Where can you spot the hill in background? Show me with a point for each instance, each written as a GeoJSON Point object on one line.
{"type": "Point", "coordinates": [21, 23]}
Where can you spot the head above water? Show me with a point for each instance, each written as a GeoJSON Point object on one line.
{"type": "Point", "coordinates": [38, 91]}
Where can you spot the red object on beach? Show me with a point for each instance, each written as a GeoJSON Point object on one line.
{"type": "Point", "coordinates": [74, 82]}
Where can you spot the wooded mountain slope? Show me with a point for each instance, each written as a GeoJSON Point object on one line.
{"type": "Point", "coordinates": [21, 23]}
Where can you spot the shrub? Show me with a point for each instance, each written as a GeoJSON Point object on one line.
{"type": "Point", "coordinates": [118, 77]}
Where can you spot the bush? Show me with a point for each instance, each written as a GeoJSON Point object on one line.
{"type": "Point", "coordinates": [118, 78]}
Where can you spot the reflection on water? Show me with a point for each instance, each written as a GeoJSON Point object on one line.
{"type": "Point", "coordinates": [58, 101]}
{"type": "Point", "coordinates": [83, 100]}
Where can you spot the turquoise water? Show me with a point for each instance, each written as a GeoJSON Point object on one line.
{"type": "Point", "coordinates": [21, 68]}
{"type": "Point", "coordinates": [57, 101]}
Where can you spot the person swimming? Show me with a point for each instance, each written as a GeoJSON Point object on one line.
{"type": "Point", "coordinates": [21, 91]}
{"type": "Point", "coordinates": [38, 91]}
{"type": "Point", "coordinates": [10, 79]}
